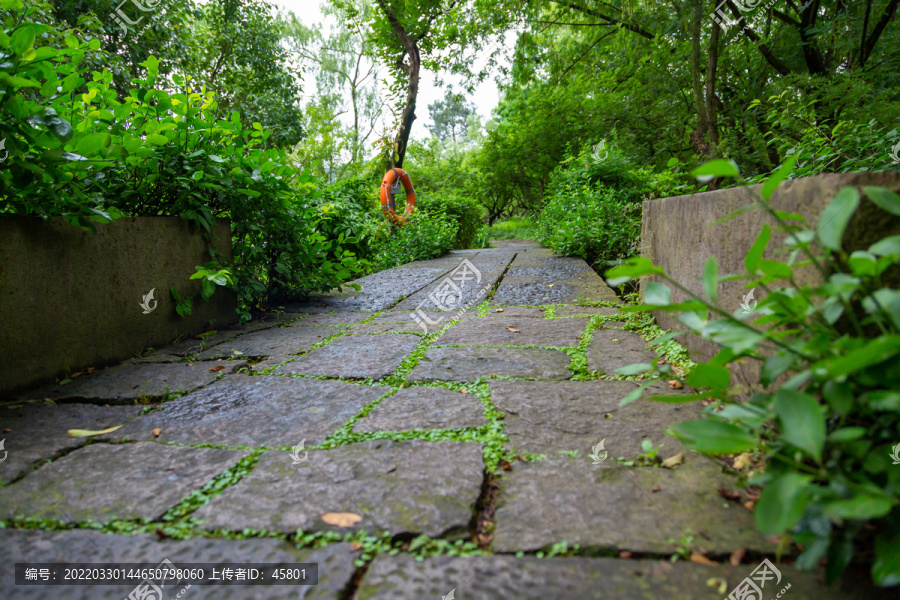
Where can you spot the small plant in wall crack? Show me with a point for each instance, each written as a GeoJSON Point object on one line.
{"type": "Point", "coordinates": [210, 276]}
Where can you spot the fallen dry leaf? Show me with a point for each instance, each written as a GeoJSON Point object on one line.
{"type": "Point", "coordinates": [741, 461]}
{"type": "Point", "coordinates": [74, 375]}
{"type": "Point", "coordinates": [674, 384]}
{"type": "Point", "coordinates": [749, 504]}
{"type": "Point", "coordinates": [157, 432]}
{"type": "Point", "coordinates": [219, 368]}
{"type": "Point", "coordinates": [356, 546]}
{"type": "Point", "coordinates": [673, 461]}
{"type": "Point", "coordinates": [463, 391]}
{"type": "Point", "coordinates": [615, 340]}
{"type": "Point", "coordinates": [698, 558]}
{"type": "Point", "coordinates": [499, 310]}
{"type": "Point", "coordinates": [80, 433]}
{"type": "Point", "coordinates": [732, 495]}
{"type": "Point", "coordinates": [190, 364]}
{"type": "Point", "coordinates": [624, 554]}
{"type": "Point", "coordinates": [341, 519]}
{"type": "Point", "coordinates": [89, 370]}
{"type": "Point", "coordinates": [655, 488]}
{"type": "Point", "coordinates": [505, 465]}
{"type": "Point", "coordinates": [551, 285]}
{"type": "Point", "coordinates": [513, 330]}
{"type": "Point", "coordinates": [737, 556]}
{"type": "Point", "coordinates": [545, 298]}
{"type": "Point", "coordinates": [520, 458]}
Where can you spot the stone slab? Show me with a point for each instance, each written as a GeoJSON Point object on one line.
{"type": "Point", "coordinates": [501, 577]}
{"type": "Point", "coordinates": [409, 327]}
{"type": "Point", "coordinates": [552, 417]}
{"type": "Point", "coordinates": [536, 280]}
{"type": "Point", "coordinates": [556, 499]}
{"type": "Point", "coordinates": [516, 311]}
{"type": "Point", "coordinates": [38, 432]}
{"type": "Point", "coordinates": [585, 311]}
{"type": "Point", "coordinates": [255, 411]}
{"type": "Point", "coordinates": [424, 408]}
{"type": "Point", "coordinates": [469, 364]}
{"type": "Point", "coordinates": [356, 357]}
{"type": "Point", "coordinates": [340, 319]}
{"type": "Point", "coordinates": [335, 564]}
{"type": "Point", "coordinates": [611, 349]}
{"type": "Point", "coordinates": [102, 482]}
{"type": "Point", "coordinates": [275, 341]}
{"type": "Point", "coordinates": [401, 487]}
{"type": "Point", "coordinates": [528, 332]}
{"type": "Point", "coordinates": [462, 294]}
{"type": "Point", "coordinates": [435, 317]}
{"type": "Point", "coordinates": [378, 291]}
{"type": "Point", "coordinates": [129, 382]}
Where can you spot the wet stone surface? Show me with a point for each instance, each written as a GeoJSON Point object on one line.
{"type": "Point", "coordinates": [611, 349]}
{"type": "Point", "coordinates": [471, 363]}
{"type": "Point", "coordinates": [412, 486]}
{"type": "Point", "coordinates": [258, 411]}
{"type": "Point", "coordinates": [38, 432]}
{"type": "Point", "coordinates": [501, 577]}
{"type": "Point", "coordinates": [552, 417]}
{"type": "Point", "coordinates": [409, 327]}
{"type": "Point", "coordinates": [516, 311]}
{"type": "Point", "coordinates": [585, 311]}
{"type": "Point", "coordinates": [126, 383]}
{"type": "Point", "coordinates": [357, 357]}
{"type": "Point", "coordinates": [102, 482]}
{"type": "Point", "coordinates": [424, 408]}
{"type": "Point", "coordinates": [519, 331]}
{"type": "Point", "coordinates": [270, 342]}
{"type": "Point", "coordinates": [332, 319]}
{"type": "Point", "coordinates": [571, 499]}
{"type": "Point", "coordinates": [335, 564]}
{"type": "Point", "coordinates": [442, 318]}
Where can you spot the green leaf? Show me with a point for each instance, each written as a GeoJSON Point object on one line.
{"type": "Point", "coordinates": [846, 434]}
{"type": "Point", "coordinates": [634, 267]}
{"type": "Point", "coordinates": [802, 421]}
{"type": "Point", "coordinates": [862, 263]}
{"type": "Point", "coordinates": [657, 294]}
{"type": "Point", "coordinates": [833, 220]}
{"type": "Point", "coordinates": [756, 251]}
{"type": "Point", "coordinates": [777, 177]}
{"type": "Point", "coordinates": [72, 42]}
{"type": "Point", "coordinates": [157, 139]}
{"type": "Point", "coordinates": [884, 198]}
{"type": "Point", "coordinates": [80, 433]}
{"type": "Point", "coordinates": [889, 246]}
{"type": "Point", "coordinates": [207, 289]}
{"type": "Point", "coordinates": [862, 506]}
{"type": "Point", "coordinates": [634, 369]}
{"type": "Point", "coordinates": [710, 278]}
{"type": "Point", "coordinates": [782, 503]}
{"type": "Point", "coordinates": [717, 168]}
{"type": "Point", "coordinates": [711, 376]}
{"type": "Point", "coordinates": [876, 351]}
{"type": "Point", "coordinates": [22, 39]}
{"type": "Point", "coordinates": [714, 437]}
{"type": "Point", "coordinates": [886, 568]}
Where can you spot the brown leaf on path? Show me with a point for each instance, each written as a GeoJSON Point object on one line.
{"type": "Point", "coordinates": [674, 384]}
{"type": "Point", "coordinates": [219, 368]}
{"type": "Point", "coordinates": [698, 558]}
{"type": "Point", "coordinates": [499, 310]}
{"type": "Point", "coordinates": [749, 504]}
{"type": "Point", "coordinates": [157, 432]}
{"type": "Point", "coordinates": [356, 546]}
{"type": "Point", "coordinates": [673, 461]}
{"type": "Point", "coordinates": [741, 461]}
{"type": "Point", "coordinates": [504, 464]}
{"type": "Point", "coordinates": [733, 495]}
{"type": "Point", "coordinates": [341, 519]}
{"type": "Point", "coordinates": [737, 556]}
{"type": "Point", "coordinates": [190, 364]}
{"type": "Point", "coordinates": [624, 554]}
{"type": "Point", "coordinates": [513, 329]}
{"type": "Point", "coordinates": [89, 370]}
{"type": "Point", "coordinates": [6, 430]}
{"type": "Point", "coordinates": [74, 375]}
{"type": "Point", "coordinates": [463, 391]}
{"type": "Point", "coordinates": [655, 488]}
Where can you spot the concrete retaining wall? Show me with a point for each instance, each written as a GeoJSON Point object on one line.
{"type": "Point", "coordinates": [70, 300]}
{"type": "Point", "coordinates": [680, 234]}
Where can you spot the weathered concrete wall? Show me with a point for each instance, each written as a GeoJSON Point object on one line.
{"type": "Point", "coordinates": [680, 234]}
{"type": "Point", "coordinates": [70, 300]}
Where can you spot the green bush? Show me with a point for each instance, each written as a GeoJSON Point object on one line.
{"type": "Point", "coordinates": [424, 236]}
{"type": "Point", "coordinates": [595, 223]}
{"type": "Point", "coordinates": [78, 152]}
{"type": "Point", "coordinates": [827, 423]}
{"type": "Point", "coordinates": [513, 228]}
{"type": "Point", "coordinates": [465, 212]}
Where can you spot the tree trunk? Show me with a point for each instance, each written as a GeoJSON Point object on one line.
{"type": "Point", "coordinates": [697, 141]}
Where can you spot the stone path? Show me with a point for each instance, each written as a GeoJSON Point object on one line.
{"type": "Point", "coordinates": [451, 409]}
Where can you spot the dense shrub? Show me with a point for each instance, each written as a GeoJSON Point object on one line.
{"type": "Point", "coordinates": [826, 427]}
{"type": "Point", "coordinates": [464, 211]}
{"type": "Point", "coordinates": [424, 236]}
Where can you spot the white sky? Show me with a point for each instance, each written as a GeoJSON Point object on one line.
{"type": "Point", "coordinates": [485, 98]}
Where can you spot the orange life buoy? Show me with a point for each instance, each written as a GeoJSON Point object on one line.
{"type": "Point", "coordinates": [393, 180]}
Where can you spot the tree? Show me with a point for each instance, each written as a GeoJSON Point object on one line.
{"type": "Point", "coordinates": [450, 116]}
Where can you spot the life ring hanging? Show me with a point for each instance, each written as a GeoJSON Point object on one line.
{"type": "Point", "coordinates": [393, 180]}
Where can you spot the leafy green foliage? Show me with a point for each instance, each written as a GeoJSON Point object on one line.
{"type": "Point", "coordinates": [463, 211]}
{"type": "Point", "coordinates": [830, 360]}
